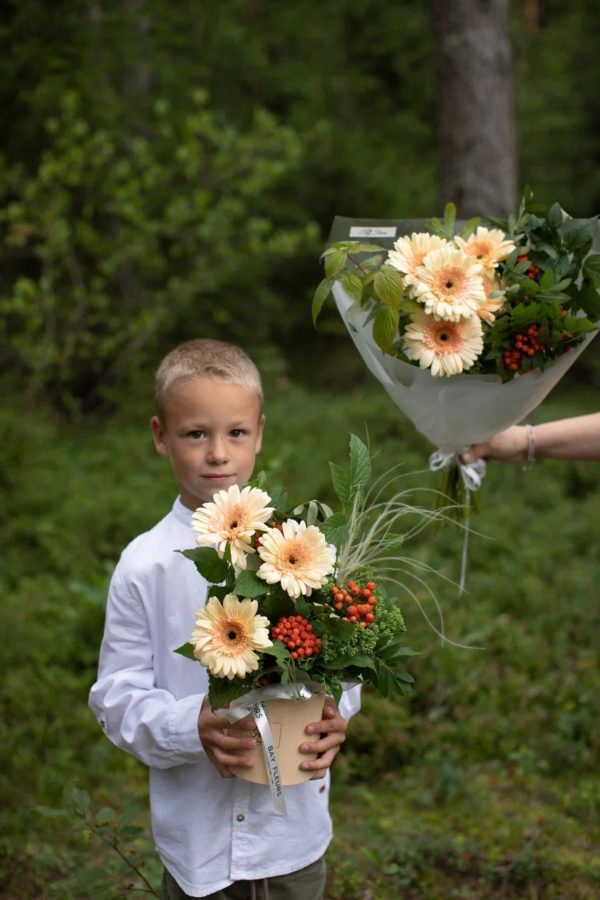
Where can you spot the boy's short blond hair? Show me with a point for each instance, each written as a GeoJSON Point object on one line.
{"type": "Point", "coordinates": [205, 358]}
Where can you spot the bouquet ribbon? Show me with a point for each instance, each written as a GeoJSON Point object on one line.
{"type": "Point", "coordinates": [472, 476]}
{"type": "Point", "coordinates": [471, 473]}
{"type": "Point", "coordinates": [253, 703]}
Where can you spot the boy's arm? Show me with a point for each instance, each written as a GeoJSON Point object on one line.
{"type": "Point", "coordinates": [135, 714]}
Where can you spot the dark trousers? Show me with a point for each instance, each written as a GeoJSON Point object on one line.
{"type": "Point", "coordinates": [305, 884]}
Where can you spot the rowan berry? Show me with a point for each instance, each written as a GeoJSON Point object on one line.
{"type": "Point", "coordinates": [297, 634]}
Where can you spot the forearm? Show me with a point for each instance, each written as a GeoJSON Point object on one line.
{"type": "Point", "coordinates": [154, 718]}
{"type": "Point", "coordinates": [149, 723]}
{"type": "Point", "coordinates": [575, 438]}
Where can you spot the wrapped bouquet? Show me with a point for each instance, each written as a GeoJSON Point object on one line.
{"type": "Point", "coordinates": [467, 326]}
{"type": "Point", "coordinates": [299, 603]}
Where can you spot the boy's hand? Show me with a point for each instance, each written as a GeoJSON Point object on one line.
{"type": "Point", "coordinates": [223, 749]}
{"type": "Point", "coordinates": [331, 731]}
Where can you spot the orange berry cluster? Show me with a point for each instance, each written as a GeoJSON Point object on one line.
{"type": "Point", "coordinates": [296, 633]}
{"type": "Point", "coordinates": [358, 602]}
{"type": "Point", "coordinates": [525, 345]}
{"type": "Point", "coordinates": [533, 271]}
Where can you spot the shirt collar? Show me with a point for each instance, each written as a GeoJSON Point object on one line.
{"type": "Point", "coordinates": [182, 513]}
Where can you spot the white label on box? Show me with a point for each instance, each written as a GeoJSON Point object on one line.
{"type": "Point", "coordinates": [373, 231]}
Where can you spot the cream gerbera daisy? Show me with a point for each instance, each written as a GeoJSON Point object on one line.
{"type": "Point", "coordinates": [491, 305]}
{"type": "Point", "coordinates": [449, 284]}
{"type": "Point", "coordinates": [489, 246]}
{"type": "Point", "coordinates": [226, 636]}
{"type": "Point", "coordinates": [409, 252]}
{"type": "Point", "coordinates": [298, 556]}
{"type": "Point", "coordinates": [445, 347]}
{"type": "Point", "coordinates": [231, 519]}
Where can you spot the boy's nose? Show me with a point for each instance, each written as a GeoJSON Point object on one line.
{"type": "Point", "coordinates": [217, 450]}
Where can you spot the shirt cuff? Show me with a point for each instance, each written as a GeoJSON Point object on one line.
{"type": "Point", "coordinates": [183, 727]}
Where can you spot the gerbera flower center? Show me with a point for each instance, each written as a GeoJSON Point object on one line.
{"type": "Point", "coordinates": [452, 281]}
{"type": "Point", "coordinates": [443, 337]}
{"type": "Point", "coordinates": [294, 555]}
{"type": "Point", "coordinates": [232, 636]}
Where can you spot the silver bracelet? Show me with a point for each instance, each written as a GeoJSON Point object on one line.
{"type": "Point", "coordinates": [530, 448]}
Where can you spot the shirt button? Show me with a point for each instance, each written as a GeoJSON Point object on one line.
{"type": "Point", "coordinates": [322, 788]}
{"type": "Point", "coordinates": [240, 817]}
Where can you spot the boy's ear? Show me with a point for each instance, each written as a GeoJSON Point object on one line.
{"type": "Point", "coordinates": [159, 436]}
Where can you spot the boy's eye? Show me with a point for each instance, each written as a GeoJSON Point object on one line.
{"type": "Point", "coordinates": [237, 432]}
{"type": "Point", "coordinates": [196, 434]}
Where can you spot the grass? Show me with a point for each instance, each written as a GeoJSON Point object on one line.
{"type": "Point", "coordinates": [480, 784]}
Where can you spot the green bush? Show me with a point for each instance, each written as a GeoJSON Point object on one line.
{"type": "Point", "coordinates": [121, 239]}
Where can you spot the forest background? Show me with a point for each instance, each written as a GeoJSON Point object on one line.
{"type": "Point", "coordinates": [172, 170]}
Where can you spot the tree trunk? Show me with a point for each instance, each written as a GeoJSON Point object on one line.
{"type": "Point", "coordinates": [476, 110]}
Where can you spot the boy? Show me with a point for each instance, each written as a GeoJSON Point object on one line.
{"type": "Point", "coordinates": [217, 835]}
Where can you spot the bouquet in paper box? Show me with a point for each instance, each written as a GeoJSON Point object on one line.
{"type": "Point", "coordinates": [469, 328]}
{"type": "Point", "coordinates": [299, 603]}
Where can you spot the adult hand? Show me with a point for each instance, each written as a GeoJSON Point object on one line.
{"type": "Point", "coordinates": [508, 446]}
{"type": "Point", "coordinates": [223, 749]}
{"type": "Point", "coordinates": [332, 734]}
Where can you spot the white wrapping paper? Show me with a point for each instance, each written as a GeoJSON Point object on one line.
{"type": "Point", "coordinates": [462, 409]}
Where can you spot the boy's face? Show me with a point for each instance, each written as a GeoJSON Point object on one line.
{"type": "Point", "coordinates": [211, 432]}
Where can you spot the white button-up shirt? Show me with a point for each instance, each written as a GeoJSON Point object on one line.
{"type": "Point", "coordinates": [209, 831]}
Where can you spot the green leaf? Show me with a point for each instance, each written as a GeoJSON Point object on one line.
{"type": "Point", "coordinates": [208, 563]}
{"type": "Point", "coordinates": [554, 217]}
{"type": "Point", "coordinates": [105, 816]}
{"type": "Point", "coordinates": [80, 799]}
{"type": "Point", "coordinates": [279, 651]}
{"type": "Point", "coordinates": [385, 327]}
{"type": "Point", "coordinates": [279, 498]}
{"type": "Point", "coordinates": [389, 286]}
{"type": "Point", "coordinates": [335, 263]}
{"type": "Point", "coordinates": [591, 269]}
{"type": "Point", "coordinates": [579, 240]}
{"type": "Point", "coordinates": [49, 812]}
{"type": "Point", "coordinates": [186, 650]}
{"type": "Point", "coordinates": [219, 591]}
{"type": "Point", "coordinates": [368, 248]}
{"type": "Point", "coordinates": [360, 463]}
{"type": "Point", "coordinates": [335, 529]}
{"type": "Point", "coordinates": [352, 285]}
{"type": "Point", "coordinates": [247, 584]}
{"type": "Point", "coordinates": [222, 691]}
{"type": "Point", "coordinates": [357, 661]}
{"type": "Point", "coordinates": [469, 227]}
{"type": "Point", "coordinates": [321, 294]}
{"type": "Point", "coordinates": [589, 298]}
{"type": "Point", "coordinates": [449, 218]}
{"type": "Point", "coordinates": [341, 482]}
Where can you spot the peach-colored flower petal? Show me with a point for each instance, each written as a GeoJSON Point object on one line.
{"type": "Point", "coordinates": [298, 557]}
{"type": "Point", "coordinates": [446, 347]}
{"type": "Point", "coordinates": [226, 636]}
{"type": "Point", "coordinates": [449, 284]}
{"type": "Point", "coordinates": [489, 246]}
{"type": "Point", "coordinates": [231, 519]}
